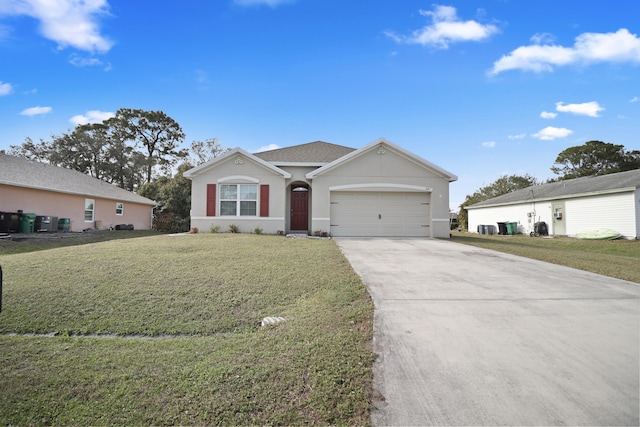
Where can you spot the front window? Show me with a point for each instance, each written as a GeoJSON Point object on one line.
{"type": "Point", "coordinates": [89, 208]}
{"type": "Point", "coordinates": [119, 208]}
{"type": "Point", "coordinates": [238, 199]}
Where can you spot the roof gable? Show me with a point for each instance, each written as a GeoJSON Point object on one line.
{"type": "Point", "coordinates": [312, 152]}
{"type": "Point", "coordinates": [237, 152]}
{"type": "Point", "coordinates": [21, 172]}
{"type": "Point", "coordinates": [584, 186]}
{"type": "Point", "coordinates": [378, 144]}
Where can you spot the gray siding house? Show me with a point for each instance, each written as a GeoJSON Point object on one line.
{"type": "Point", "coordinates": [568, 207]}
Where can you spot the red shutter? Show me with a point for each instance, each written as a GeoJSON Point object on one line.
{"type": "Point", "coordinates": [264, 200]}
{"type": "Point", "coordinates": [211, 200]}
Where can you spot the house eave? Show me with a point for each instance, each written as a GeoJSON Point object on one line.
{"type": "Point", "coordinates": [563, 197]}
{"type": "Point", "coordinates": [78, 193]}
{"type": "Point", "coordinates": [236, 151]}
{"type": "Point", "coordinates": [382, 141]}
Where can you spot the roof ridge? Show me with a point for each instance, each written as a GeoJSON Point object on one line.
{"type": "Point", "coordinates": [302, 145]}
{"type": "Point", "coordinates": [310, 152]}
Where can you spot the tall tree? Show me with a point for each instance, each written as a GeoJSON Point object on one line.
{"type": "Point", "coordinates": [503, 185]}
{"type": "Point", "coordinates": [203, 151]}
{"type": "Point", "coordinates": [30, 150]}
{"type": "Point", "coordinates": [124, 150]}
{"type": "Point", "coordinates": [594, 158]}
{"type": "Point", "coordinates": [155, 133]}
{"type": "Point", "coordinates": [83, 150]}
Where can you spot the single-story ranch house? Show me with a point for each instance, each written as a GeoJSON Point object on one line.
{"type": "Point", "coordinates": [568, 207]}
{"type": "Point", "coordinates": [380, 189]}
{"type": "Point", "coordinates": [46, 190]}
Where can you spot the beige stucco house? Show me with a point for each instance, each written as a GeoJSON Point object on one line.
{"type": "Point", "coordinates": [380, 189]}
{"type": "Point", "coordinates": [46, 190]}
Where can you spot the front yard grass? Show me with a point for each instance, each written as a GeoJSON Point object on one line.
{"type": "Point", "coordinates": [614, 258]}
{"type": "Point", "coordinates": [166, 330]}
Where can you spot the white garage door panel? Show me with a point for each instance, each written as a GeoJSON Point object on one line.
{"type": "Point", "coordinates": [380, 214]}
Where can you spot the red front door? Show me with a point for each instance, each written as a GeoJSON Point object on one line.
{"type": "Point", "coordinates": [299, 209]}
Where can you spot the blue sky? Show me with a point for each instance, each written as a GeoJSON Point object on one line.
{"type": "Point", "coordinates": [480, 88]}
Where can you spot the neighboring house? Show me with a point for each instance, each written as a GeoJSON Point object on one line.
{"type": "Point", "coordinates": [568, 207]}
{"type": "Point", "coordinates": [321, 188]}
{"type": "Point", "coordinates": [46, 190]}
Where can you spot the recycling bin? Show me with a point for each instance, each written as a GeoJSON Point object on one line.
{"type": "Point", "coordinates": [27, 222]}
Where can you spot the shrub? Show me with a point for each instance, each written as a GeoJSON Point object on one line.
{"type": "Point", "coordinates": [233, 228]}
{"type": "Point", "coordinates": [257, 230]}
{"type": "Point", "coordinates": [162, 221]}
{"type": "Point", "coordinates": [214, 228]}
{"type": "Point", "coordinates": [179, 224]}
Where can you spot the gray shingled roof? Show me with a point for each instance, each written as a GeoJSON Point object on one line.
{"type": "Point", "coordinates": [312, 152]}
{"type": "Point", "coordinates": [20, 172]}
{"type": "Point", "coordinates": [567, 189]}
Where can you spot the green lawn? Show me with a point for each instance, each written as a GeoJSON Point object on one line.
{"type": "Point", "coordinates": [136, 328]}
{"type": "Point", "coordinates": [614, 258]}
{"type": "Point", "coordinates": [165, 330]}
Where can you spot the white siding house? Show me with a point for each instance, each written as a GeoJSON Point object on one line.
{"type": "Point", "coordinates": [568, 207]}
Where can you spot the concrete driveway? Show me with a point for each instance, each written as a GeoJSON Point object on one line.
{"type": "Point", "coordinates": [468, 336]}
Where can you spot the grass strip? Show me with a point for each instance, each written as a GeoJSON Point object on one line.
{"type": "Point", "coordinates": [613, 258]}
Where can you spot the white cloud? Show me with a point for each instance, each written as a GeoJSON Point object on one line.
{"type": "Point", "coordinates": [590, 109]}
{"type": "Point", "coordinates": [6, 89]}
{"type": "Point", "coordinates": [267, 148]}
{"type": "Point", "coordinates": [517, 136]}
{"type": "Point", "coordinates": [79, 61]}
{"type": "Point", "coordinates": [550, 133]}
{"type": "Point", "coordinates": [489, 144]}
{"type": "Point", "coordinates": [66, 22]}
{"type": "Point", "coordinates": [543, 38]}
{"type": "Point", "coordinates": [446, 28]}
{"type": "Point", "coordinates": [548, 115]}
{"type": "Point", "coordinates": [270, 3]}
{"type": "Point", "coordinates": [93, 116]}
{"type": "Point", "coordinates": [35, 111]}
{"type": "Point", "coordinates": [634, 99]}
{"type": "Point", "coordinates": [621, 46]}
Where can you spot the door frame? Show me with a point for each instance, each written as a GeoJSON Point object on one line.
{"type": "Point", "coordinates": [299, 188]}
{"type": "Point", "coordinates": [559, 223]}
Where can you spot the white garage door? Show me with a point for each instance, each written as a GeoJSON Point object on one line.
{"type": "Point", "coordinates": [384, 214]}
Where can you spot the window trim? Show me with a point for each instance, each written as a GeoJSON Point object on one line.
{"type": "Point", "coordinates": [239, 200]}
{"type": "Point", "coordinates": [119, 207]}
{"type": "Point", "coordinates": [92, 203]}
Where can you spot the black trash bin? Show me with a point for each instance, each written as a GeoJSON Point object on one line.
{"type": "Point", "coordinates": [43, 223]}
{"type": "Point", "coordinates": [541, 228]}
{"type": "Point", "coordinates": [9, 222]}
{"type": "Point", "coordinates": [502, 228]}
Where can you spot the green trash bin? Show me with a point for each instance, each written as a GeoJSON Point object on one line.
{"type": "Point", "coordinates": [512, 228]}
{"type": "Point", "coordinates": [27, 222]}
